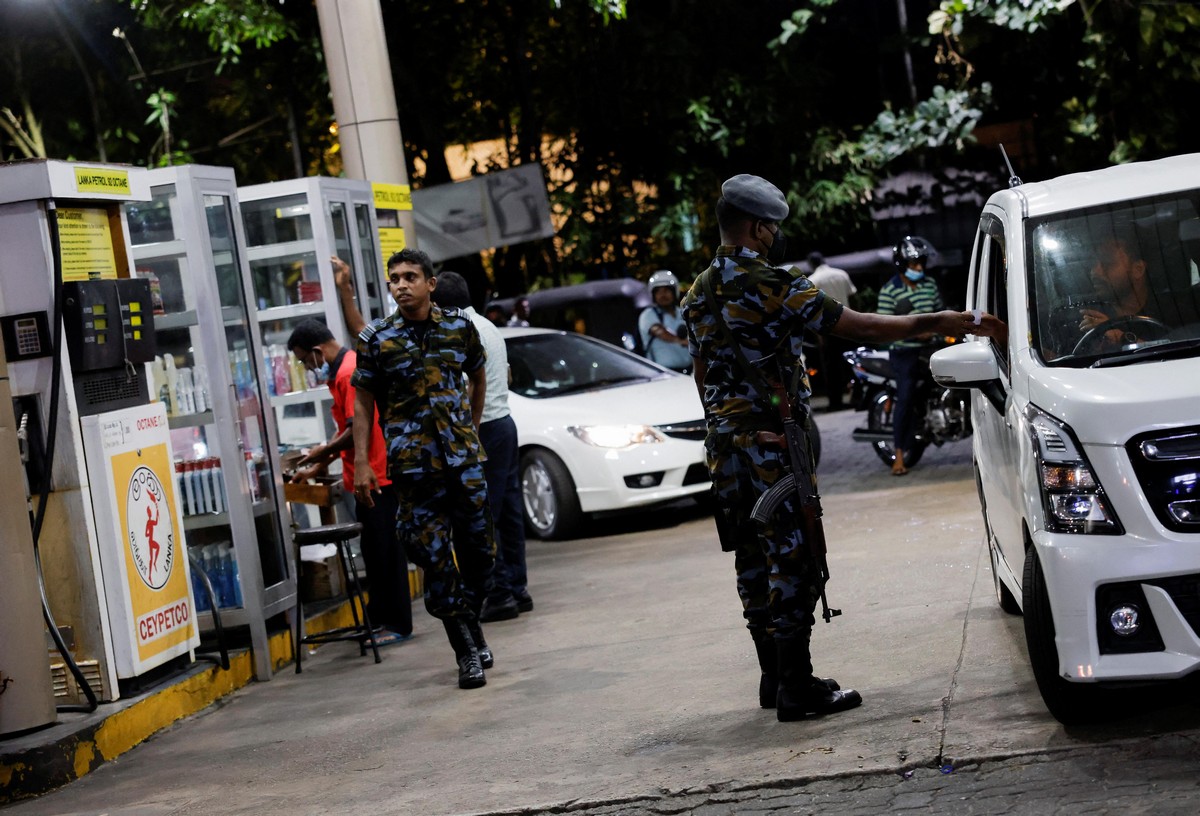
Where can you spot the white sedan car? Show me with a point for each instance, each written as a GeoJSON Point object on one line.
{"type": "Point", "coordinates": [599, 429]}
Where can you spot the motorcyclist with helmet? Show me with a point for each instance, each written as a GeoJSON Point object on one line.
{"type": "Point", "coordinates": [661, 326]}
{"type": "Point", "coordinates": [910, 291]}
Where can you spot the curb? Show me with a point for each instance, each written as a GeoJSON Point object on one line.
{"type": "Point", "coordinates": [39, 762]}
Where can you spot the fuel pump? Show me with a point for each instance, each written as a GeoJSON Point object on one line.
{"type": "Point", "coordinates": [26, 698]}
{"type": "Point", "coordinates": [77, 330]}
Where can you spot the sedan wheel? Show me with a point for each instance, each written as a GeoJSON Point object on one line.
{"type": "Point", "coordinates": [548, 491]}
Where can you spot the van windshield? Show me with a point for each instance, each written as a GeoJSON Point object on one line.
{"type": "Point", "coordinates": [1117, 284]}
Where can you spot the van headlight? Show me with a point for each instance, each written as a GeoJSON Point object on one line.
{"type": "Point", "coordinates": [616, 436]}
{"type": "Point", "coordinates": [1073, 500]}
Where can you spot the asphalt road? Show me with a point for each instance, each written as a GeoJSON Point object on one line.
{"type": "Point", "coordinates": [631, 688]}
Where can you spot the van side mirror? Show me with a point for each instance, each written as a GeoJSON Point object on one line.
{"type": "Point", "coordinates": [969, 365]}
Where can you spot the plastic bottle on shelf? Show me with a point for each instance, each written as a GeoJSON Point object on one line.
{"type": "Point", "coordinates": [252, 473]}
{"type": "Point", "coordinates": [221, 488]}
{"type": "Point", "coordinates": [201, 597]}
{"type": "Point", "coordinates": [189, 491]}
{"type": "Point", "coordinates": [204, 471]}
{"type": "Point", "coordinates": [232, 576]}
{"type": "Point", "coordinates": [172, 384]}
{"type": "Point", "coordinates": [185, 393]}
{"type": "Point", "coordinates": [213, 474]}
{"type": "Point", "coordinates": [216, 572]}
{"type": "Point", "coordinates": [283, 379]}
{"type": "Point", "coordinates": [158, 380]}
{"type": "Point", "coordinates": [209, 565]}
{"type": "Point", "coordinates": [180, 488]}
{"type": "Point", "coordinates": [242, 376]}
{"type": "Point", "coordinates": [200, 382]}
{"type": "Point", "coordinates": [269, 365]}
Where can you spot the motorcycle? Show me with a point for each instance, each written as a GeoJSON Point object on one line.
{"type": "Point", "coordinates": [940, 415]}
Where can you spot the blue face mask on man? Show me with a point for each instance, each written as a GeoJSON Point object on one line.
{"type": "Point", "coordinates": [914, 275]}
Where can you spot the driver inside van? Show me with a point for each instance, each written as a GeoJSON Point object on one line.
{"type": "Point", "coordinates": [1134, 310]}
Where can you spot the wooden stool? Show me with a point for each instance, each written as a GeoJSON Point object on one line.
{"type": "Point", "coordinates": [362, 631]}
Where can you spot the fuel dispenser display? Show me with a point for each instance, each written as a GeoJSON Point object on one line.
{"type": "Point", "coordinates": [110, 333]}
{"type": "Point", "coordinates": [77, 330]}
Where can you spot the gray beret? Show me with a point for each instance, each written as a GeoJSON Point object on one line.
{"type": "Point", "coordinates": [757, 196]}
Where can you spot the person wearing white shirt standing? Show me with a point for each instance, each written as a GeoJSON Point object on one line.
{"type": "Point", "coordinates": [508, 595]}
{"type": "Point", "coordinates": [834, 368]}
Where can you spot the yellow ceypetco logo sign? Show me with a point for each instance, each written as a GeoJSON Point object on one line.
{"type": "Point", "coordinates": [93, 180]}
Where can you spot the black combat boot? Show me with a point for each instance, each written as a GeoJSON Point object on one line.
{"type": "Point", "coordinates": [801, 694]}
{"type": "Point", "coordinates": [768, 683]}
{"type": "Point", "coordinates": [764, 646]}
{"type": "Point", "coordinates": [470, 670]}
{"type": "Point", "coordinates": [485, 652]}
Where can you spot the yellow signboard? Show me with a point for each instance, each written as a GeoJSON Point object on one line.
{"type": "Point", "coordinates": [95, 180]}
{"type": "Point", "coordinates": [391, 240]}
{"type": "Point", "coordinates": [85, 244]}
{"type": "Point", "coordinates": [159, 594]}
{"type": "Point", "coordinates": [392, 196]}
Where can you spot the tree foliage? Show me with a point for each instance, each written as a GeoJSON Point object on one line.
{"type": "Point", "coordinates": [638, 111]}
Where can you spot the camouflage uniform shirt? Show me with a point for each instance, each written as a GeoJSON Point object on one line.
{"type": "Point", "coordinates": [766, 309]}
{"type": "Point", "coordinates": [417, 385]}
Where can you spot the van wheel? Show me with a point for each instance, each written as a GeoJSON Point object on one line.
{"type": "Point", "coordinates": [548, 492]}
{"type": "Point", "coordinates": [1070, 703]}
{"type": "Point", "coordinates": [879, 418]}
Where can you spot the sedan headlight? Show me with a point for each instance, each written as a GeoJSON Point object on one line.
{"type": "Point", "coordinates": [1073, 500]}
{"type": "Point", "coordinates": [616, 436]}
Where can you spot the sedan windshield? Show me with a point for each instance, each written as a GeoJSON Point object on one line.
{"type": "Point", "coordinates": [1118, 284]}
{"type": "Point", "coordinates": [550, 365]}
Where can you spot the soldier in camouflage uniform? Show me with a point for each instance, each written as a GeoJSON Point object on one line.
{"type": "Point", "coordinates": [412, 365]}
{"type": "Point", "coordinates": [766, 309]}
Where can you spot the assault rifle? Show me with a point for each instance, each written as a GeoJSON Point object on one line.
{"type": "Point", "coordinates": [801, 483]}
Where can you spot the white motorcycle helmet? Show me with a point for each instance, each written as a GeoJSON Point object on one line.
{"type": "Point", "coordinates": [663, 277]}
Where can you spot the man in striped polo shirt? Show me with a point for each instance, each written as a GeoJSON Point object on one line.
{"type": "Point", "coordinates": [910, 291]}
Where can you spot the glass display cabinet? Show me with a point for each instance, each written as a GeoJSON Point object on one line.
{"type": "Point", "coordinates": [293, 228]}
{"type": "Point", "coordinates": [188, 241]}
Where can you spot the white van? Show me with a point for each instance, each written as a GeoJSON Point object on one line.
{"type": "Point", "coordinates": [1087, 424]}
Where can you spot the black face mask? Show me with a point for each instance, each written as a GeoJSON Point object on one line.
{"type": "Point", "coordinates": [777, 254]}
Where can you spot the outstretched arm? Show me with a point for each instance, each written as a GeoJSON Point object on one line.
{"type": "Point", "coordinates": [876, 328]}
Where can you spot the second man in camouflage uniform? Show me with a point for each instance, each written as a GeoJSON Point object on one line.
{"type": "Point", "coordinates": [412, 365]}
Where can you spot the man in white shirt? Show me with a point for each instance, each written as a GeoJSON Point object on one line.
{"type": "Point", "coordinates": [835, 370]}
{"type": "Point", "coordinates": [507, 596]}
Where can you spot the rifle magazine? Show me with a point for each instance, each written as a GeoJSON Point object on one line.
{"type": "Point", "coordinates": [769, 502]}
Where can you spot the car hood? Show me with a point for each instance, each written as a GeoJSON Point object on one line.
{"type": "Point", "coordinates": [1106, 406]}
{"type": "Point", "coordinates": [658, 402]}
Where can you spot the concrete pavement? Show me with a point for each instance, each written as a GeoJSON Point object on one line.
{"type": "Point", "coordinates": [632, 688]}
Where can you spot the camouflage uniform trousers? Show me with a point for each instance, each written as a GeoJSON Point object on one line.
{"type": "Point", "coordinates": [445, 525]}
{"type": "Point", "coordinates": [778, 580]}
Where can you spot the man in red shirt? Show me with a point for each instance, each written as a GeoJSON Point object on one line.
{"type": "Point", "coordinates": [390, 605]}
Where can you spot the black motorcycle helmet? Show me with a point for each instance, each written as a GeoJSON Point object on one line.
{"type": "Point", "coordinates": [913, 248]}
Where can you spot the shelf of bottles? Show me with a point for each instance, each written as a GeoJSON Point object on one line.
{"type": "Point", "coordinates": [187, 242]}
{"type": "Point", "coordinates": [293, 228]}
